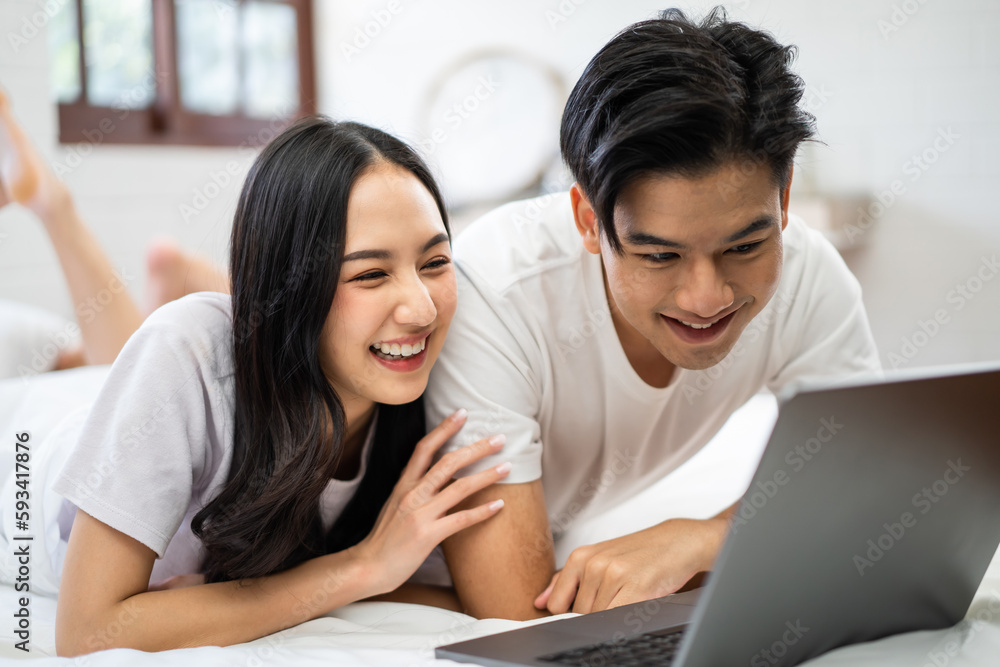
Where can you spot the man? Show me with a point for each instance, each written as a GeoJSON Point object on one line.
{"type": "Point", "coordinates": [610, 336]}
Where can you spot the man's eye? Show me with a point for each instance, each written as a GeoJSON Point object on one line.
{"type": "Point", "coordinates": [660, 257]}
{"type": "Point", "coordinates": [745, 248]}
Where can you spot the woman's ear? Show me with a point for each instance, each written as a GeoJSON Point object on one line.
{"type": "Point", "coordinates": [586, 219]}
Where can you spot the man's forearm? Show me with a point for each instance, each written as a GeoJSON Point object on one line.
{"type": "Point", "coordinates": [499, 566]}
{"type": "Point", "coordinates": [433, 596]}
{"type": "Point", "coordinates": [729, 512]}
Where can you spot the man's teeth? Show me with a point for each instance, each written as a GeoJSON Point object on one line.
{"type": "Point", "coordinates": [396, 350]}
{"type": "Point", "coordinates": [695, 326]}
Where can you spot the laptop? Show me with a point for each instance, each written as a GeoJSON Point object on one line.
{"type": "Point", "coordinates": [875, 510]}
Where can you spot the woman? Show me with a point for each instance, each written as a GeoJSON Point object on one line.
{"type": "Point", "coordinates": [265, 439]}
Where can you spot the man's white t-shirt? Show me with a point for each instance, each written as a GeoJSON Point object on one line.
{"type": "Point", "coordinates": [532, 353]}
{"type": "Point", "coordinates": [157, 444]}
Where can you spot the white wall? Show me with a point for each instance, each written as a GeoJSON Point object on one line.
{"type": "Point", "coordinates": [881, 96]}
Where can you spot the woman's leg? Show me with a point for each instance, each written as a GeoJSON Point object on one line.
{"type": "Point", "coordinates": [106, 324]}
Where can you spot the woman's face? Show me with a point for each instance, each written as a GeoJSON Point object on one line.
{"type": "Point", "coordinates": [396, 295]}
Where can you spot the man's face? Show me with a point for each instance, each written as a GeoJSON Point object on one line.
{"type": "Point", "coordinates": [702, 256]}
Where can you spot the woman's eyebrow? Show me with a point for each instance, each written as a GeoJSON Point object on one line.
{"type": "Point", "coordinates": [386, 254]}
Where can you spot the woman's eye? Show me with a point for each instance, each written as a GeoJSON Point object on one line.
{"type": "Point", "coordinates": [374, 275]}
{"type": "Point", "coordinates": [437, 263]}
{"type": "Point", "coordinates": [745, 248]}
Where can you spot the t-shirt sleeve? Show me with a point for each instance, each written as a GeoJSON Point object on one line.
{"type": "Point", "coordinates": [826, 332]}
{"type": "Point", "coordinates": [147, 441]}
{"type": "Point", "coordinates": [487, 367]}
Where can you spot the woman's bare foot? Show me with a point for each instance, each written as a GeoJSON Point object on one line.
{"type": "Point", "coordinates": [72, 357]}
{"type": "Point", "coordinates": [24, 178]}
{"type": "Point", "coordinates": [172, 273]}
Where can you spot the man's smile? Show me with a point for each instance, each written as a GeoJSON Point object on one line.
{"type": "Point", "coordinates": [698, 333]}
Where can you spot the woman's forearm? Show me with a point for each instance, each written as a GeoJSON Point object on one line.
{"type": "Point", "coordinates": [223, 613]}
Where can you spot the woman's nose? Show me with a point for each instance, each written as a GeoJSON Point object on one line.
{"type": "Point", "coordinates": [416, 307]}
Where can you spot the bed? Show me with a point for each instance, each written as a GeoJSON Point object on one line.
{"type": "Point", "coordinates": [384, 633]}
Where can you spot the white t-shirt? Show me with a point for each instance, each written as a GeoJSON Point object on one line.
{"type": "Point", "coordinates": [158, 442]}
{"type": "Point", "coordinates": [532, 353]}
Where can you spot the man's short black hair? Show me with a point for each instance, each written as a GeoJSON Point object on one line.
{"type": "Point", "coordinates": [670, 96]}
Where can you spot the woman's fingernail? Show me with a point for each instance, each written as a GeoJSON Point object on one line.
{"type": "Point", "coordinates": [504, 468]}
{"type": "Point", "coordinates": [459, 414]}
{"type": "Point", "coordinates": [496, 504]}
{"type": "Point", "coordinates": [497, 441]}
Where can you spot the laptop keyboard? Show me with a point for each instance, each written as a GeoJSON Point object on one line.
{"type": "Point", "coordinates": [652, 648]}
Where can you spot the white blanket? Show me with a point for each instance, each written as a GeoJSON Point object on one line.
{"type": "Point", "coordinates": [384, 633]}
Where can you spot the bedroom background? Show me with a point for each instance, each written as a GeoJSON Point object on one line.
{"type": "Point", "coordinates": [905, 92]}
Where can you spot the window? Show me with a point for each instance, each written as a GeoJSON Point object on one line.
{"type": "Point", "coordinates": [199, 72]}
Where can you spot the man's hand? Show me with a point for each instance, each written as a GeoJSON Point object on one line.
{"type": "Point", "coordinates": [641, 566]}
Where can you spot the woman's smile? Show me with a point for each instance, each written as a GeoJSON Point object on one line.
{"type": "Point", "coordinates": [401, 357]}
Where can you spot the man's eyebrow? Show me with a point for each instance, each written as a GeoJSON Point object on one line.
{"type": "Point", "coordinates": [642, 238]}
{"type": "Point", "coordinates": [755, 226]}
{"type": "Point", "coordinates": [386, 255]}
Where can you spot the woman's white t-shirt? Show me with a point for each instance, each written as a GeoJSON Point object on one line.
{"type": "Point", "coordinates": [157, 444]}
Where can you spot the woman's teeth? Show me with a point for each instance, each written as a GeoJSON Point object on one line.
{"type": "Point", "coordinates": [396, 351]}
{"type": "Point", "coordinates": [696, 326]}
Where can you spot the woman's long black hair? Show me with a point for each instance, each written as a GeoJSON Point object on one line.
{"type": "Point", "coordinates": [286, 252]}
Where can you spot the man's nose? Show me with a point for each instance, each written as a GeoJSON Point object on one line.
{"type": "Point", "coordinates": [704, 290]}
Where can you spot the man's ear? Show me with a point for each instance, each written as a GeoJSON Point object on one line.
{"type": "Point", "coordinates": [586, 219]}
{"type": "Point", "coordinates": [784, 198]}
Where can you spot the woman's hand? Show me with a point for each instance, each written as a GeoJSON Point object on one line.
{"type": "Point", "coordinates": [415, 519]}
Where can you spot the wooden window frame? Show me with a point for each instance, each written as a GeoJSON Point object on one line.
{"type": "Point", "coordinates": [166, 121]}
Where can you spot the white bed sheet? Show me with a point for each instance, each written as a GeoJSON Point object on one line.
{"type": "Point", "coordinates": [384, 633]}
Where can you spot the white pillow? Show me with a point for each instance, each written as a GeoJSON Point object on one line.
{"type": "Point", "coordinates": [31, 339]}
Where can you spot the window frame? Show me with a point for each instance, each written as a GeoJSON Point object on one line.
{"type": "Point", "coordinates": [166, 121]}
